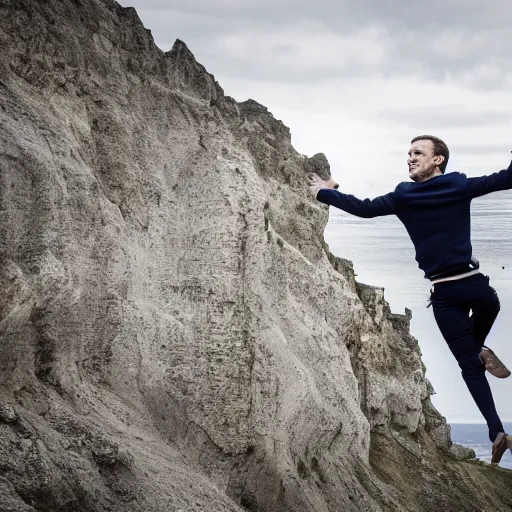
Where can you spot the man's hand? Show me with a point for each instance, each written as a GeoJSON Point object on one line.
{"type": "Point", "coordinates": [316, 183]}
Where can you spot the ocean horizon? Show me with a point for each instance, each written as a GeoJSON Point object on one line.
{"type": "Point", "coordinates": [463, 422]}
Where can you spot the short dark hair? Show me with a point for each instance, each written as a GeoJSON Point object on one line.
{"type": "Point", "coordinates": [440, 148]}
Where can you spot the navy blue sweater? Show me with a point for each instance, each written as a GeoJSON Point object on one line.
{"type": "Point", "coordinates": [436, 214]}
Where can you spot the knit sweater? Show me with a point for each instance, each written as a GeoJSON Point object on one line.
{"type": "Point", "coordinates": [435, 213]}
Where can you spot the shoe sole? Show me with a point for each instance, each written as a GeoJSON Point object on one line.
{"type": "Point", "coordinates": [499, 447]}
{"type": "Point", "coordinates": [493, 365]}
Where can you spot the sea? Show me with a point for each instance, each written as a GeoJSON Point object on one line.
{"type": "Point", "coordinates": [384, 256]}
{"type": "Point", "coordinates": [474, 435]}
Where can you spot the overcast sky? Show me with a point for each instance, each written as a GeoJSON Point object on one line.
{"type": "Point", "coordinates": [358, 79]}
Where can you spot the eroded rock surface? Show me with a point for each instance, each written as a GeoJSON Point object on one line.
{"type": "Point", "coordinates": [175, 334]}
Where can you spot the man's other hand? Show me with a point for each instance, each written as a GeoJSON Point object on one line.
{"type": "Point", "coordinates": [316, 183]}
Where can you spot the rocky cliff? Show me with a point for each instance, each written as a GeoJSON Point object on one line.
{"type": "Point", "coordinates": [175, 333]}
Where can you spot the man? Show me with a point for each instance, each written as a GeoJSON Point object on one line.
{"type": "Point", "coordinates": [435, 210]}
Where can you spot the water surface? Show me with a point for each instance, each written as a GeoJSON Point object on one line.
{"type": "Point", "coordinates": [383, 256]}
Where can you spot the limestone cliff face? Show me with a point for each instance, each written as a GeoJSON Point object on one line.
{"type": "Point", "coordinates": [175, 333]}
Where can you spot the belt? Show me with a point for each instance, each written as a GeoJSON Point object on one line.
{"type": "Point", "coordinates": [456, 277]}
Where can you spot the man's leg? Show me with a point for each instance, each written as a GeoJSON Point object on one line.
{"type": "Point", "coordinates": [485, 309]}
{"type": "Point", "coordinates": [452, 317]}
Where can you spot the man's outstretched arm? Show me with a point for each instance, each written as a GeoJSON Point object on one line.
{"type": "Point", "coordinates": [367, 208]}
{"type": "Point", "coordinates": [482, 185]}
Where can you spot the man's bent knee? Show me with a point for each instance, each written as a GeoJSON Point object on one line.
{"type": "Point", "coordinates": [496, 306]}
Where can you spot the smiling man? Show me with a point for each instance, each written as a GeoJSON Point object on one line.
{"type": "Point", "coordinates": [435, 210]}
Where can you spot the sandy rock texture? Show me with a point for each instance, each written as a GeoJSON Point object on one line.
{"type": "Point", "coordinates": [174, 332]}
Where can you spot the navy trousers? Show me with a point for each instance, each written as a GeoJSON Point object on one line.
{"type": "Point", "coordinates": [465, 333]}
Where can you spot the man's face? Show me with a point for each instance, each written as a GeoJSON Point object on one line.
{"type": "Point", "coordinates": [422, 162]}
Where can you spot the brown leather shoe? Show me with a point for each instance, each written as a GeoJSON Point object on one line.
{"type": "Point", "coordinates": [493, 365]}
{"type": "Point", "coordinates": [498, 447]}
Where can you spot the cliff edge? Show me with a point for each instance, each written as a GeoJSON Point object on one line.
{"type": "Point", "coordinates": [175, 333]}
